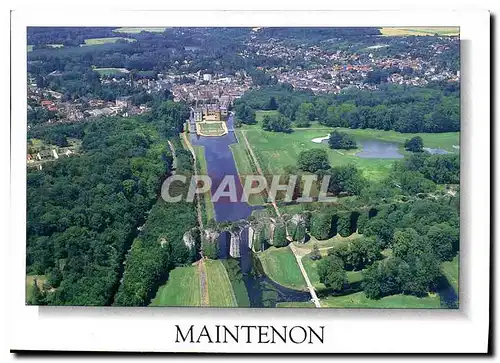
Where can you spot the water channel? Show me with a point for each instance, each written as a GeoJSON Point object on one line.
{"type": "Point", "coordinates": [220, 162]}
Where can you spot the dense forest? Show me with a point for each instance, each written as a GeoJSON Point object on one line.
{"type": "Point", "coordinates": [435, 108]}
{"type": "Point", "coordinates": [84, 210]}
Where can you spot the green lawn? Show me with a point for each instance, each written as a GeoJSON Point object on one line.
{"type": "Point", "coordinates": [134, 30]}
{"type": "Point", "coordinates": [100, 41]}
{"type": "Point", "coordinates": [181, 289]}
{"type": "Point", "coordinates": [311, 268]}
{"type": "Point", "coordinates": [359, 300]}
{"type": "Point", "coordinates": [110, 71]}
{"type": "Point", "coordinates": [259, 115]}
{"type": "Point", "coordinates": [277, 150]}
{"type": "Point", "coordinates": [280, 265]}
{"type": "Point", "coordinates": [220, 290]}
{"type": "Point", "coordinates": [296, 304]}
{"type": "Point", "coordinates": [208, 206]}
{"type": "Point", "coordinates": [245, 167]}
{"type": "Point", "coordinates": [331, 242]}
{"type": "Point", "coordinates": [451, 271]}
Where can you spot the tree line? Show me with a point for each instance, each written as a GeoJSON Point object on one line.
{"type": "Point", "coordinates": [392, 107]}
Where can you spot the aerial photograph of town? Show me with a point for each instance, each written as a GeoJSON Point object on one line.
{"type": "Point", "coordinates": [261, 167]}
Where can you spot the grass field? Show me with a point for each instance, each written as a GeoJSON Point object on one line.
{"type": "Point", "coordinates": [398, 31]}
{"type": "Point", "coordinates": [29, 48]}
{"type": "Point", "coordinates": [277, 150]}
{"type": "Point", "coordinates": [220, 290]}
{"type": "Point", "coordinates": [330, 242]}
{"type": "Point", "coordinates": [259, 115]}
{"type": "Point", "coordinates": [311, 268]}
{"type": "Point", "coordinates": [359, 300]}
{"type": "Point", "coordinates": [281, 266]}
{"type": "Point", "coordinates": [110, 71]}
{"type": "Point", "coordinates": [208, 206]}
{"type": "Point", "coordinates": [181, 289]}
{"type": "Point", "coordinates": [296, 304]}
{"type": "Point", "coordinates": [451, 271]}
{"type": "Point", "coordinates": [134, 30]}
{"type": "Point", "coordinates": [245, 167]}
{"type": "Point", "coordinates": [40, 280]}
{"type": "Point", "coordinates": [100, 41]}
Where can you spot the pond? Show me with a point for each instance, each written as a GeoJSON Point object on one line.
{"type": "Point", "coordinates": [376, 149]}
{"type": "Point", "coordinates": [371, 148]}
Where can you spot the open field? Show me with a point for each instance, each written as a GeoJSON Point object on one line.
{"type": "Point", "coordinates": [311, 268]}
{"type": "Point", "coordinates": [330, 242]}
{"type": "Point", "coordinates": [281, 266]}
{"type": "Point", "coordinates": [110, 71]}
{"type": "Point", "coordinates": [100, 41]}
{"type": "Point", "coordinates": [398, 31]}
{"type": "Point", "coordinates": [181, 289]}
{"type": "Point", "coordinates": [399, 301]}
{"type": "Point", "coordinates": [40, 280]}
{"type": "Point", "coordinates": [134, 30]}
{"type": "Point", "coordinates": [451, 271]}
{"type": "Point", "coordinates": [208, 206]}
{"type": "Point", "coordinates": [275, 151]}
{"type": "Point", "coordinates": [296, 304]}
{"type": "Point", "coordinates": [259, 115]}
{"type": "Point", "coordinates": [245, 167]}
{"type": "Point", "coordinates": [220, 290]}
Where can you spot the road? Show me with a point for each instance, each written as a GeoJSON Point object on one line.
{"type": "Point", "coordinates": [298, 257]}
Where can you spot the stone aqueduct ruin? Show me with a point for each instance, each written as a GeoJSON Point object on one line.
{"type": "Point", "coordinates": [260, 235]}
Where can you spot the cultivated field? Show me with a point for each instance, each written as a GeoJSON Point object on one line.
{"type": "Point", "coordinates": [133, 30]}
{"type": "Point", "coordinates": [220, 290]}
{"type": "Point", "coordinates": [422, 31]}
{"type": "Point", "coordinates": [100, 41]}
{"type": "Point", "coordinates": [280, 265]}
{"type": "Point", "coordinates": [181, 289]}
